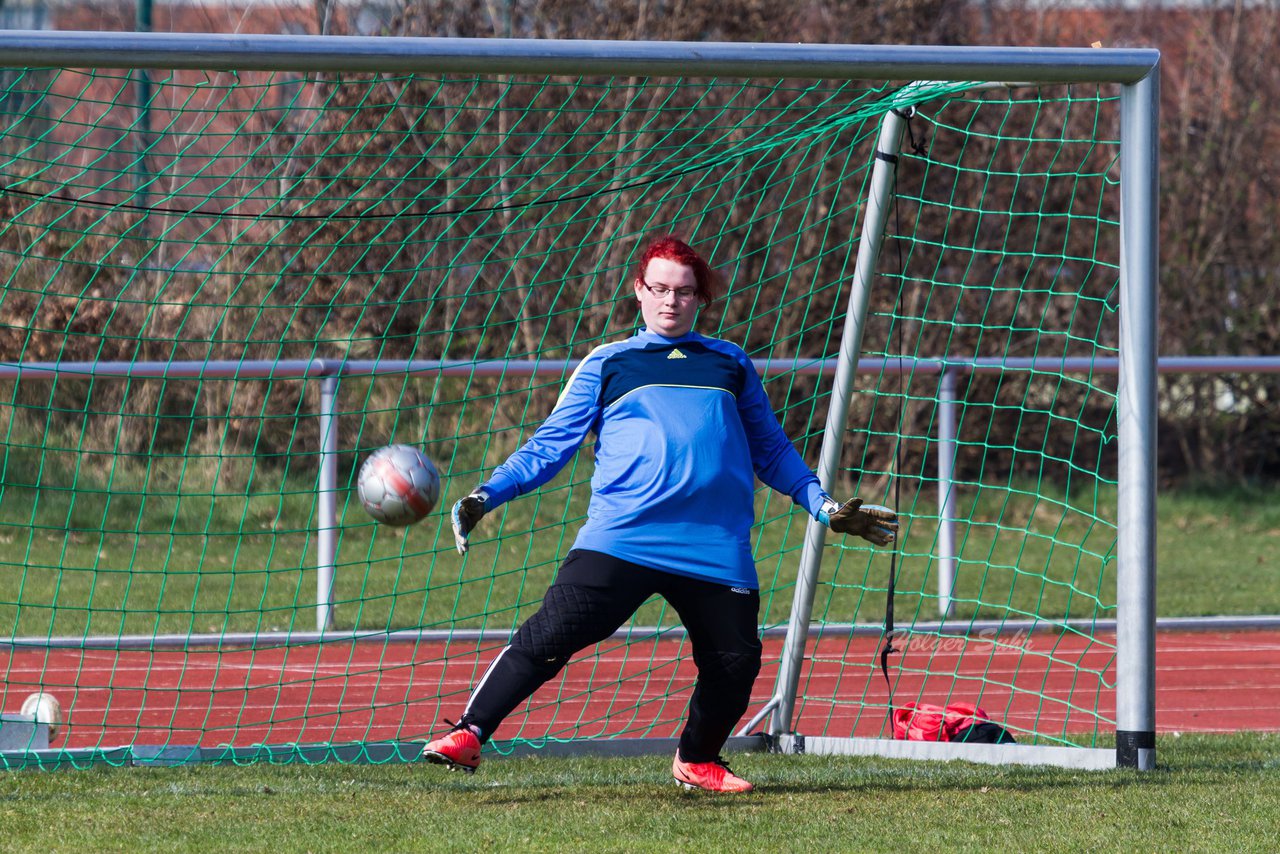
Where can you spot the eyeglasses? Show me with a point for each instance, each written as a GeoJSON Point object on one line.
{"type": "Point", "coordinates": [661, 291]}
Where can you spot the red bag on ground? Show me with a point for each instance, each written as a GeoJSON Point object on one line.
{"type": "Point", "coordinates": [930, 722]}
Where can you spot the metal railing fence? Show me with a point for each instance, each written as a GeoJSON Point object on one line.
{"type": "Point", "coordinates": [330, 372]}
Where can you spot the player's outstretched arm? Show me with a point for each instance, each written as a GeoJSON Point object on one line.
{"type": "Point", "coordinates": [873, 522]}
{"type": "Point", "coordinates": [466, 514]}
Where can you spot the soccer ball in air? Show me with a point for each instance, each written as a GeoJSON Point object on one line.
{"type": "Point", "coordinates": [398, 485]}
{"type": "Point", "coordinates": [45, 709]}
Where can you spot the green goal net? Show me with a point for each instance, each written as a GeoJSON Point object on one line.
{"type": "Point", "coordinates": [223, 290]}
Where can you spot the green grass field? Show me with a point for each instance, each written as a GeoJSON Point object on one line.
{"type": "Point", "coordinates": [1209, 793]}
{"type": "Point", "coordinates": [241, 564]}
{"type": "Point", "coordinates": [90, 564]}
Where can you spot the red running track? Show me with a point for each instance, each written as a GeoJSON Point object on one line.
{"type": "Point", "coordinates": [1206, 682]}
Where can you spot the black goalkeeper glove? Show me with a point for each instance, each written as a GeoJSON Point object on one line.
{"type": "Point", "coordinates": [466, 514]}
{"type": "Point", "coordinates": [872, 522]}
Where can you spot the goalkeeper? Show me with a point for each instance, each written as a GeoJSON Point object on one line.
{"type": "Point", "coordinates": [683, 427]}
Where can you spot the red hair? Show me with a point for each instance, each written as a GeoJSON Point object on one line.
{"type": "Point", "coordinates": [674, 249]}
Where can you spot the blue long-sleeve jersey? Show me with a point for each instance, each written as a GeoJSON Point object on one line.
{"type": "Point", "coordinates": [682, 425]}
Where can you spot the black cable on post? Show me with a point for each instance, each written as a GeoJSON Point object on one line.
{"type": "Point", "coordinates": [887, 649]}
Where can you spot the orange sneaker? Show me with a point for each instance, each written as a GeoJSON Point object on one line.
{"type": "Point", "coordinates": [459, 749]}
{"type": "Point", "coordinates": [708, 776]}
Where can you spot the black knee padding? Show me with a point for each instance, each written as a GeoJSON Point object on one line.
{"type": "Point", "coordinates": [729, 667]}
{"type": "Point", "coordinates": [564, 624]}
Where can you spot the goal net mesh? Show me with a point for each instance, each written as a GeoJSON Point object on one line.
{"type": "Point", "coordinates": [187, 254]}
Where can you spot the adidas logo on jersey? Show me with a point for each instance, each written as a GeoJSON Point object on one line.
{"type": "Point", "coordinates": [676, 354]}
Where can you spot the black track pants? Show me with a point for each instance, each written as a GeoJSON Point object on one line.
{"type": "Point", "coordinates": [592, 596]}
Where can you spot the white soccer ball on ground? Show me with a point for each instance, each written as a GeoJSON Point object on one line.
{"type": "Point", "coordinates": [398, 485]}
{"type": "Point", "coordinates": [46, 709]}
